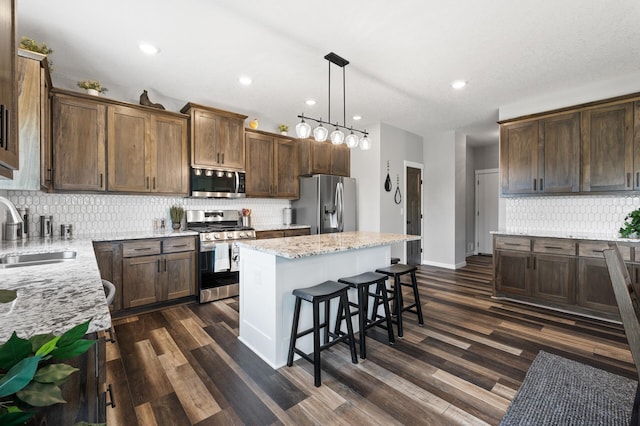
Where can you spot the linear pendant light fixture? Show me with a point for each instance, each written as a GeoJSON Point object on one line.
{"type": "Point", "coordinates": [320, 133]}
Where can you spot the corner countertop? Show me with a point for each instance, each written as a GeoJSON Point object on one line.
{"type": "Point", "coordinates": [55, 297]}
{"type": "Point", "coordinates": [313, 245]}
{"type": "Point", "coordinates": [596, 236]}
{"type": "Point", "coordinates": [259, 228]}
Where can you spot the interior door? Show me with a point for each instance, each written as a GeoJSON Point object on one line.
{"type": "Point", "coordinates": [487, 194]}
{"type": "Point", "coordinates": [414, 214]}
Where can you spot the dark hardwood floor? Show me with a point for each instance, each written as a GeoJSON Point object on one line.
{"type": "Point", "coordinates": [185, 366]}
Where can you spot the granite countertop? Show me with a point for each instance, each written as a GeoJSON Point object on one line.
{"type": "Point", "coordinates": [120, 236]}
{"type": "Point", "coordinates": [312, 245]}
{"type": "Point", "coordinates": [278, 227]}
{"type": "Point", "coordinates": [55, 297]}
{"type": "Point", "coordinates": [613, 236]}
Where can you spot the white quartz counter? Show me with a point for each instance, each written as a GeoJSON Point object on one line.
{"type": "Point", "coordinates": [573, 235]}
{"type": "Point", "coordinates": [313, 245]}
{"type": "Point", "coordinates": [55, 297]}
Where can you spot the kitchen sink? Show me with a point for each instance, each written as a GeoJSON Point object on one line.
{"type": "Point", "coordinates": [32, 259]}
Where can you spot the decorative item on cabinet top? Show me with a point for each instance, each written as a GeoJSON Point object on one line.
{"type": "Point", "coordinates": [254, 124]}
{"type": "Point", "coordinates": [31, 45]}
{"type": "Point", "coordinates": [144, 100]}
{"type": "Point", "coordinates": [92, 87]}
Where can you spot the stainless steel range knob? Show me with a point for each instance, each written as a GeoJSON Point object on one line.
{"type": "Point", "coordinates": [207, 236]}
{"type": "Point", "coordinates": [216, 236]}
{"type": "Point", "coordinates": [242, 235]}
{"type": "Point", "coordinates": [229, 234]}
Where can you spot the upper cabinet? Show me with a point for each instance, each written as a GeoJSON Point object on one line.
{"type": "Point", "coordinates": [323, 158]}
{"type": "Point", "coordinates": [271, 165]}
{"type": "Point", "coordinates": [147, 151]}
{"type": "Point", "coordinates": [607, 148]}
{"type": "Point", "coordinates": [588, 148]}
{"type": "Point", "coordinates": [79, 143]}
{"type": "Point", "coordinates": [34, 120]}
{"type": "Point", "coordinates": [216, 138]}
{"type": "Point", "coordinates": [9, 154]}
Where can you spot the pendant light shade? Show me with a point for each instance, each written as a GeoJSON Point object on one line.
{"type": "Point", "coordinates": [320, 133]}
{"type": "Point", "coordinates": [303, 130]}
{"type": "Point", "coordinates": [365, 143]}
{"type": "Point", "coordinates": [351, 140]}
{"type": "Point", "coordinates": [337, 137]}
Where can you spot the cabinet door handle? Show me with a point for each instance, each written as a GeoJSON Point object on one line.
{"type": "Point", "coordinates": [1, 126]}
{"type": "Point", "coordinates": [535, 181]}
{"type": "Point", "coordinates": [158, 265]}
{"type": "Point", "coordinates": [528, 259]}
{"type": "Point", "coordinates": [223, 158]}
{"type": "Point", "coordinates": [111, 339]}
{"type": "Point", "coordinates": [628, 180]}
{"type": "Point", "coordinates": [6, 129]}
{"type": "Point", "coordinates": [111, 401]}
{"type": "Point", "coordinates": [541, 184]}
{"type": "Point", "coordinates": [154, 182]}
{"type": "Point", "coordinates": [218, 158]}
{"type": "Point", "coordinates": [534, 263]}
{"type": "Point", "coordinates": [165, 265]}
{"type": "Point", "coordinates": [637, 179]}
{"type": "Point", "coordinates": [101, 180]}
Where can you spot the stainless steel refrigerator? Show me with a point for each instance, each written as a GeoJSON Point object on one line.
{"type": "Point", "coordinates": [327, 204]}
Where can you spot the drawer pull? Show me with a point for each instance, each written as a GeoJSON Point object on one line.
{"type": "Point", "coordinates": [111, 401]}
{"type": "Point", "coordinates": [179, 245]}
{"type": "Point", "coordinates": [597, 251]}
{"type": "Point", "coordinates": [512, 244]}
{"type": "Point", "coordinates": [553, 247]}
{"type": "Point", "coordinates": [142, 249]}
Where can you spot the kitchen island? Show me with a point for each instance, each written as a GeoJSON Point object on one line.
{"type": "Point", "coordinates": [271, 269]}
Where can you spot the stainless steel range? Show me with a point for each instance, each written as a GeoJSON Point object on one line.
{"type": "Point", "coordinates": [219, 258]}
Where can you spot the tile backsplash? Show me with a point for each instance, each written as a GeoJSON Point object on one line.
{"type": "Point", "coordinates": [94, 214]}
{"type": "Point", "coordinates": [592, 214]}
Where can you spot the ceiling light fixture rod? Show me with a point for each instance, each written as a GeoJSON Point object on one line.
{"type": "Point", "coordinates": [302, 116]}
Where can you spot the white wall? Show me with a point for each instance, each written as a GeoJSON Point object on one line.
{"type": "Point", "coordinates": [460, 199]}
{"type": "Point", "coordinates": [364, 167]}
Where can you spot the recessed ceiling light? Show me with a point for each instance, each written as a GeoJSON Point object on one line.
{"type": "Point", "coordinates": [357, 117]}
{"type": "Point", "coordinates": [310, 102]}
{"type": "Point", "coordinates": [244, 80]}
{"type": "Point", "coordinates": [148, 48]}
{"type": "Point", "coordinates": [458, 84]}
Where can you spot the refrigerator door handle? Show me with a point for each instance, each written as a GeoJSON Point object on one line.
{"type": "Point", "coordinates": [340, 205]}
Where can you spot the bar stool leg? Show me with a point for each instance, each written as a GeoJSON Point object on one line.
{"type": "Point", "coordinates": [327, 320]}
{"type": "Point", "coordinates": [294, 331]}
{"type": "Point", "coordinates": [363, 308]}
{"type": "Point", "coordinates": [398, 303]}
{"type": "Point", "coordinates": [352, 343]}
{"type": "Point", "coordinates": [316, 344]}
{"type": "Point", "coordinates": [382, 289]}
{"type": "Point", "coordinates": [416, 296]}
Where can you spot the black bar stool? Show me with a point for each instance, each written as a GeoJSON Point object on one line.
{"type": "Point", "coordinates": [317, 294]}
{"type": "Point", "coordinates": [396, 271]}
{"type": "Point", "coordinates": [362, 284]}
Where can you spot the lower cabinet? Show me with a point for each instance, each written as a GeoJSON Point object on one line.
{"type": "Point", "coordinates": [281, 233]}
{"type": "Point", "coordinates": [561, 273]}
{"type": "Point", "coordinates": [148, 271]}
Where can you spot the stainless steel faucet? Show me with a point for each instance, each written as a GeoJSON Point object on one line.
{"type": "Point", "coordinates": [13, 212]}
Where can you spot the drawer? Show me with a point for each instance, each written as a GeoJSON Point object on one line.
{"type": "Point", "coordinates": [141, 248]}
{"type": "Point", "coordinates": [595, 248]}
{"type": "Point", "coordinates": [261, 235]}
{"type": "Point", "coordinates": [178, 244]}
{"type": "Point", "coordinates": [513, 243]}
{"type": "Point", "coordinates": [554, 246]}
{"type": "Point", "coordinates": [296, 232]}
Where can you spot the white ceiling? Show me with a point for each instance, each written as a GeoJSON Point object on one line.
{"type": "Point", "coordinates": [403, 54]}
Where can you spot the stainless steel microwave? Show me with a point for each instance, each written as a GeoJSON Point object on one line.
{"type": "Point", "coordinates": [207, 183]}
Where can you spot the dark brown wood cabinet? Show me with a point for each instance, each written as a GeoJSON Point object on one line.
{"type": "Point", "coordinates": [272, 165]}
{"type": "Point", "coordinates": [79, 143]}
{"type": "Point", "coordinates": [595, 291]}
{"type": "Point", "coordinates": [607, 148]}
{"type": "Point", "coordinates": [157, 270]}
{"type": "Point", "coordinates": [540, 156]}
{"type": "Point", "coordinates": [216, 138]}
{"type": "Point", "coordinates": [147, 151]}
{"type": "Point", "coordinates": [109, 259]}
{"type": "Point", "coordinates": [9, 152]}
{"type": "Point", "coordinates": [323, 158]}
{"type": "Point", "coordinates": [554, 278]}
{"type": "Point", "coordinates": [512, 273]}
{"type": "Point", "coordinates": [281, 233]}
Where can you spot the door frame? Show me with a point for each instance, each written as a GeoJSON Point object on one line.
{"type": "Point", "coordinates": [475, 212]}
{"type": "Point", "coordinates": [404, 206]}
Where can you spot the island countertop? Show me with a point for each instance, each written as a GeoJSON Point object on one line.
{"type": "Point", "coordinates": [312, 245]}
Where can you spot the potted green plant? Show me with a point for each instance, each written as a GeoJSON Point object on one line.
{"type": "Point", "coordinates": [31, 45]}
{"type": "Point", "coordinates": [631, 225]}
{"type": "Point", "coordinates": [92, 87]}
{"type": "Point", "coordinates": [30, 376]}
{"type": "Point", "coordinates": [283, 128]}
{"type": "Point", "coordinates": [176, 213]}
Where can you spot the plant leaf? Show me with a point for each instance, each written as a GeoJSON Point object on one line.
{"type": "Point", "coordinates": [13, 350]}
{"type": "Point", "coordinates": [38, 340]}
{"type": "Point", "coordinates": [41, 394]}
{"type": "Point", "coordinates": [74, 334]}
{"type": "Point", "coordinates": [54, 373]}
{"type": "Point", "coordinates": [16, 418]}
{"type": "Point", "coordinates": [7, 296]}
{"type": "Point", "coordinates": [19, 376]}
{"type": "Point", "coordinates": [76, 348]}
{"type": "Point", "coordinates": [48, 347]}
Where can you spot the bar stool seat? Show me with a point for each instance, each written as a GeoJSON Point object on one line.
{"type": "Point", "coordinates": [321, 293]}
{"type": "Point", "coordinates": [396, 271]}
{"type": "Point", "coordinates": [362, 284]}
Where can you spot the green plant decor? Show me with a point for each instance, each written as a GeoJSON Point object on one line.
{"type": "Point", "coordinates": [30, 377]}
{"type": "Point", "coordinates": [283, 128]}
{"type": "Point", "coordinates": [631, 226]}
{"type": "Point", "coordinates": [30, 44]}
{"type": "Point", "coordinates": [92, 84]}
{"type": "Point", "coordinates": [176, 213]}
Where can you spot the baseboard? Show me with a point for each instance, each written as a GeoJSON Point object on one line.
{"type": "Point", "coordinates": [445, 265]}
